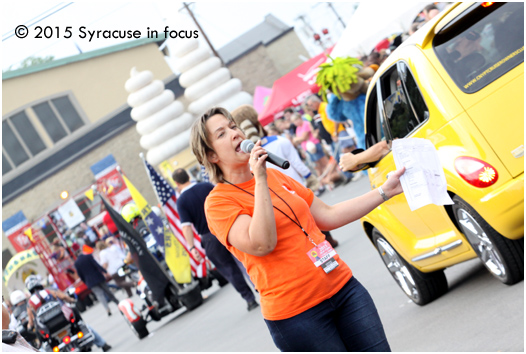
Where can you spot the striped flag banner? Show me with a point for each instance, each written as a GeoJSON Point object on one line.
{"type": "Point", "coordinates": [168, 199]}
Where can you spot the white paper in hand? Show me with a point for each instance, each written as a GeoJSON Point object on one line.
{"type": "Point", "coordinates": [424, 181]}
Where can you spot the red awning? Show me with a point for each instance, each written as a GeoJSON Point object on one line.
{"type": "Point", "coordinates": [292, 89]}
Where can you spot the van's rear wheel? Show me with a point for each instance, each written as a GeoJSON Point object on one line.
{"type": "Point", "coordinates": [421, 288]}
{"type": "Point", "coordinates": [504, 258]}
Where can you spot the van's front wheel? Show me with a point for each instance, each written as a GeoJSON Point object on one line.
{"type": "Point", "coordinates": [420, 287]}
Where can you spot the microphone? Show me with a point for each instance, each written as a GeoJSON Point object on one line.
{"type": "Point", "coordinates": [247, 146]}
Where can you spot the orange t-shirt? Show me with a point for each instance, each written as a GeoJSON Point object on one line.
{"type": "Point", "coordinates": [288, 281]}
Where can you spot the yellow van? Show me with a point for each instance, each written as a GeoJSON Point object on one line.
{"type": "Point", "coordinates": [458, 82]}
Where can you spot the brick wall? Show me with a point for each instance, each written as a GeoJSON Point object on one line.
{"type": "Point", "coordinates": [285, 52]}
{"type": "Point", "coordinates": [265, 64]}
{"type": "Point", "coordinates": [256, 68]}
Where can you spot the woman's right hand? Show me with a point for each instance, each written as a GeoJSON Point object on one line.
{"type": "Point", "coordinates": [257, 161]}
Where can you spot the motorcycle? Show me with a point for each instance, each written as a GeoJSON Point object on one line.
{"type": "Point", "coordinates": [175, 297]}
{"type": "Point", "coordinates": [83, 296]}
{"type": "Point", "coordinates": [20, 313]}
{"type": "Point", "coordinates": [61, 328]}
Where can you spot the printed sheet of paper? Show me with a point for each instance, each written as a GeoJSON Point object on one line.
{"type": "Point", "coordinates": [424, 181]}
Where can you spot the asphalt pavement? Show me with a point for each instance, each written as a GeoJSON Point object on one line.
{"type": "Point", "coordinates": [477, 314]}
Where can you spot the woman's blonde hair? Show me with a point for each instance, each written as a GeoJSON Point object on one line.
{"type": "Point", "coordinates": [100, 245]}
{"type": "Point", "coordinates": [200, 143]}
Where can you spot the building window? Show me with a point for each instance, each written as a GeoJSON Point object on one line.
{"type": "Point", "coordinates": [12, 145]}
{"type": "Point", "coordinates": [50, 121]}
{"type": "Point", "coordinates": [28, 133]}
{"type": "Point", "coordinates": [24, 138]}
{"type": "Point", "coordinates": [68, 113]}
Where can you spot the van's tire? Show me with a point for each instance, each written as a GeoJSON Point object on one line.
{"type": "Point", "coordinates": [421, 288]}
{"type": "Point", "coordinates": [504, 258]}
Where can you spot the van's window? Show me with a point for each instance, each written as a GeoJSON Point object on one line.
{"type": "Point", "coordinates": [374, 126]}
{"type": "Point", "coordinates": [482, 44]}
{"type": "Point", "coordinates": [399, 114]}
{"type": "Point", "coordinates": [413, 92]}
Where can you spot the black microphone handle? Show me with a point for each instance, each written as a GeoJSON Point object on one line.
{"type": "Point", "coordinates": [278, 161]}
{"type": "Point", "coordinates": [247, 146]}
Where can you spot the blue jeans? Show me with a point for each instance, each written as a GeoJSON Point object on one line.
{"type": "Point", "coordinates": [348, 321]}
{"type": "Point", "coordinates": [98, 341]}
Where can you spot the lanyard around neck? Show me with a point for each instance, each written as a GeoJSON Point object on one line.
{"type": "Point", "coordinates": [297, 221]}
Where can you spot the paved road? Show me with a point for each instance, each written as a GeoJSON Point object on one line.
{"type": "Point", "coordinates": [477, 314]}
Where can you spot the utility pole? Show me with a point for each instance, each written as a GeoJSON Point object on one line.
{"type": "Point", "coordinates": [334, 10]}
{"type": "Point", "coordinates": [203, 33]}
{"type": "Point", "coordinates": [302, 18]}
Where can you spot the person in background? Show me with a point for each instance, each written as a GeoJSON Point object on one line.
{"type": "Point", "coordinates": [51, 281]}
{"type": "Point", "coordinates": [108, 221]}
{"type": "Point", "coordinates": [413, 28]}
{"type": "Point", "coordinates": [272, 130]}
{"type": "Point", "coordinates": [18, 302]}
{"type": "Point", "coordinates": [39, 296]}
{"type": "Point", "coordinates": [190, 206]}
{"type": "Point", "coordinates": [272, 223]}
{"type": "Point", "coordinates": [283, 127]}
{"type": "Point", "coordinates": [287, 117]}
{"type": "Point", "coordinates": [319, 130]}
{"type": "Point", "coordinates": [315, 103]}
{"type": "Point", "coordinates": [430, 11]}
{"type": "Point", "coordinates": [12, 341]}
{"type": "Point", "coordinates": [104, 233]}
{"type": "Point", "coordinates": [327, 172]}
{"type": "Point", "coordinates": [92, 274]}
{"type": "Point", "coordinates": [112, 258]}
{"type": "Point", "coordinates": [90, 237]}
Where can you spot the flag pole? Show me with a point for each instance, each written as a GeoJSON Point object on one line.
{"type": "Point", "coordinates": [141, 155]}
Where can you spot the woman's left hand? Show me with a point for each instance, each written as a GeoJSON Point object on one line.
{"type": "Point", "coordinates": [392, 186]}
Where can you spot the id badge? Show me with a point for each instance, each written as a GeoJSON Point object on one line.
{"type": "Point", "coordinates": [323, 255]}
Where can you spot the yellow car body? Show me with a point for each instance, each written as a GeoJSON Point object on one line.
{"type": "Point", "coordinates": [487, 124]}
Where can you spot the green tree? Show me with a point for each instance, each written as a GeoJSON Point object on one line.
{"type": "Point", "coordinates": [30, 61]}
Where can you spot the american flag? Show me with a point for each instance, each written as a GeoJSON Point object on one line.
{"type": "Point", "coordinates": [168, 200]}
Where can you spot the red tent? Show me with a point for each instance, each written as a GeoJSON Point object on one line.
{"type": "Point", "coordinates": [292, 89]}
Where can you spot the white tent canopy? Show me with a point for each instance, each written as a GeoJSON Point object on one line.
{"type": "Point", "coordinates": [374, 21]}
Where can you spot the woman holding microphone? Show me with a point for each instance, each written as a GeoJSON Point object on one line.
{"type": "Point", "coordinates": [309, 298]}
